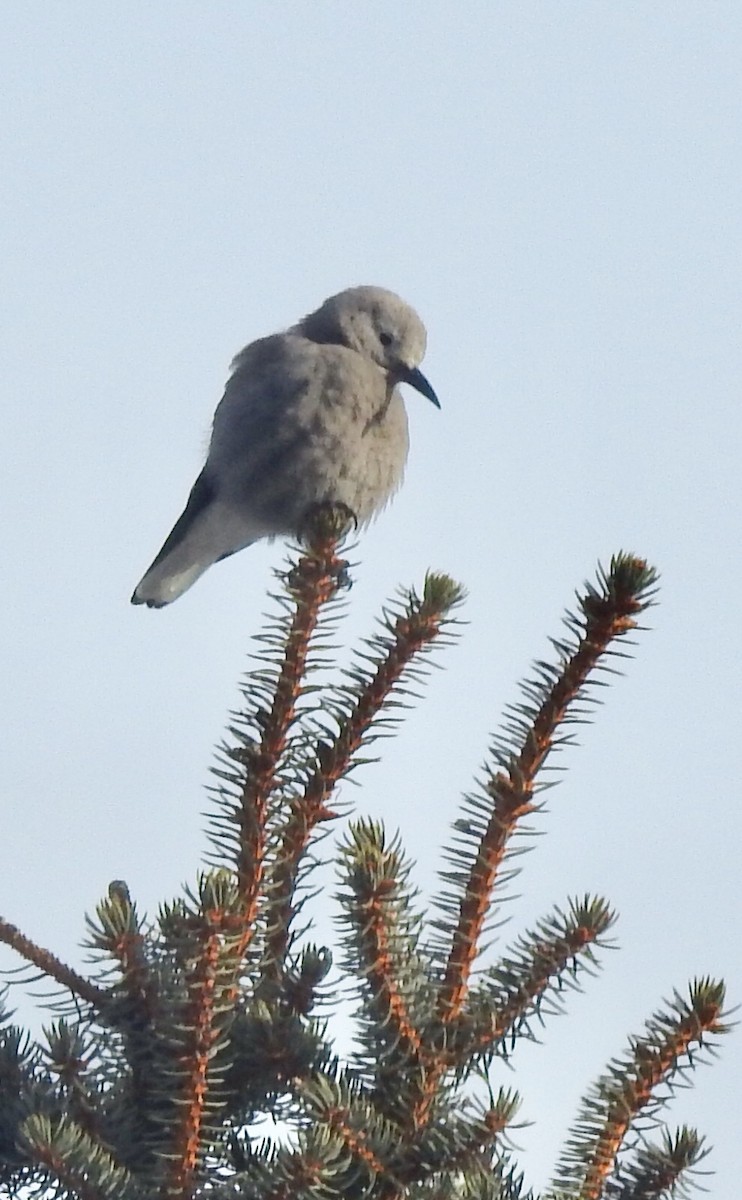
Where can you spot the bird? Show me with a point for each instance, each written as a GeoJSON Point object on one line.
{"type": "Point", "coordinates": [309, 416]}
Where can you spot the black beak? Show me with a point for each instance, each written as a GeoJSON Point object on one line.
{"type": "Point", "coordinates": [416, 379]}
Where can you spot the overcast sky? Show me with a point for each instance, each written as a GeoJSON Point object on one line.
{"type": "Point", "coordinates": [556, 188]}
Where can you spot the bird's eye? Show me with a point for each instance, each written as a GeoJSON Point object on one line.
{"type": "Point", "coordinates": [386, 339]}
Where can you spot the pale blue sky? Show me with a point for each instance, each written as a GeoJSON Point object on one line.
{"type": "Point", "coordinates": [556, 188]}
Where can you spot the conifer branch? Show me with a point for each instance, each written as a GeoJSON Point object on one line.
{"type": "Point", "coordinates": [629, 1089]}
{"type": "Point", "coordinates": [258, 780]}
{"type": "Point", "coordinates": [135, 1006]}
{"type": "Point", "coordinates": [312, 1171]}
{"type": "Point", "coordinates": [118, 935]}
{"type": "Point", "coordinates": [607, 613]}
{"type": "Point", "coordinates": [301, 985]}
{"type": "Point", "coordinates": [376, 908]}
{"type": "Point", "coordinates": [19, 1057]}
{"type": "Point", "coordinates": [664, 1170]}
{"type": "Point", "coordinates": [199, 1020]}
{"type": "Point", "coordinates": [409, 633]}
{"type": "Point", "coordinates": [70, 1156]}
{"type": "Point", "coordinates": [541, 964]}
{"type": "Point", "coordinates": [53, 967]}
{"type": "Point", "coordinates": [213, 1019]}
{"type": "Point", "coordinates": [67, 1058]}
{"type": "Point", "coordinates": [461, 1144]}
{"type": "Point", "coordinates": [406, 635]}
{"type": "Point", "coordinates": [312, 584]}
{"type": "Point", "coordinates": [209, 942]}
{"type": "Point", "coordinates": [360, 1129]}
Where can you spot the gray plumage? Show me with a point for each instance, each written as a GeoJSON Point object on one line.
{"type": "Point", "coordinates": [309, 416]}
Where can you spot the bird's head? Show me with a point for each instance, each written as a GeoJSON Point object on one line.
{"type": "Point", "coordinates": [379, 325]}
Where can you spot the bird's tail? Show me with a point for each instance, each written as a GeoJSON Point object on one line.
{"type": "Point", "coordinates": [206, 532]}
{"type": "Point", "coordinates": [166, 582]}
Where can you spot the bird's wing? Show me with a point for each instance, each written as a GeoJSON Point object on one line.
{"type": "Point", "coordinates": [269, 391]}
{"type": "Point", "coordinates": [265, 426]}
{"type": "Point", "coordinates": [202, 494]}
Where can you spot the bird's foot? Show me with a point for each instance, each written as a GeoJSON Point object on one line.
{"type": "Point", "coordinates": [324, 525]}
{"type": "Point", "coordinates": [327, 521]}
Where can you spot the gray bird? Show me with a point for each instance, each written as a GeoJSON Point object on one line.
{"type": "Point", "coordinates": [309, 416]}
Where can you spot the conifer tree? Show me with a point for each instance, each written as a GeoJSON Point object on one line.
{"type": "Point", "coordinates": [198, 1023]}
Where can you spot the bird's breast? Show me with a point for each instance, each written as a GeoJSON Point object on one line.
{"type": "Point", "coordinates": [357, 435]}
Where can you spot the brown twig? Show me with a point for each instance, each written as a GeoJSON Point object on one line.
{"type": "Point", "coordinates": [381, 975]}
{"type": "Point", "coordinates": [314, 581]}
{"type": "Point", "coordinates": [606, 617]}
{"type": "Point", "coordinates": [196, 1058]}
{"type": "Point", "coordinates": [53, 967]}
{"type": "Point", "coordinates": [412, 631]}
{"type": "Point", "coordinates": [652, 1062]}
{"type": "Point", "coordinates": [549, 962]}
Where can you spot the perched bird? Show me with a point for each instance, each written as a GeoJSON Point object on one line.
{"type": "Point", "coordinates": [309, 416]}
